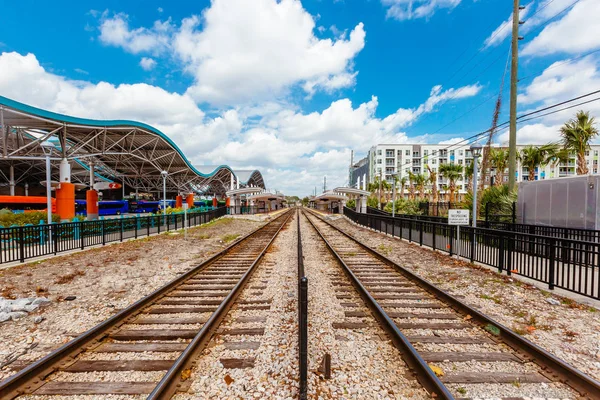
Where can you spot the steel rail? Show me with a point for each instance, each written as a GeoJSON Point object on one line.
{"type": "Point", "coordinates": [168, 385]}
{"type": "Point", "coordinates": [411, 356]}
{"type": "Point", "coordinates": [33, 375]}
{"type": "Point", "coordinates": [559, 369]}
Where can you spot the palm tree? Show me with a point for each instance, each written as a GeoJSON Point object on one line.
{"type": "Point", "coordinates": [499, 160]}
{"type": "Point", "coordinates": [532, 157]}
{"type": "Point", "coordinates": [469, 169]}
{"type": "Point", "coordinates": [420, 181]}
{"type": "Point", "coordinates": [411, 186]}
{"type": "Point", "coordinates": [452, 172]}
{"type": "Point", "coordinates": [386, 187]}
{"type": "Point", "coordinates": [433, 180]}
{"type": "Point", "coordinates": [577, 134]}
{"type": "Point", "coordinates": [403, 184]}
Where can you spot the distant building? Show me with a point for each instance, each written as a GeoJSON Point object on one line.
{"type": "Point", "coordinates": [389, 159]}
{"type": "Point", "coordinates": [360, 173]}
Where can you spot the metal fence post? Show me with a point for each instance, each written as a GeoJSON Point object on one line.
{"type": "Point", "coordinates": [121, 235]}
{"type": "Point", "coordinates": [22, 243]}
{"type": "Point", "coordinates": [501, 254]}
{"type": "Point", "coordinates": [552, 266]}
{"type": "Point", "coordinates": [472, 244]}
{"type": "Point", "coordinates": [137, 221]}
{"type": "Point", "coordinates": [81, 234]}
{"type": "Point", "coordinates": [303, 336]}
{"type": "Point", "coordinates": [420, 233]}
{"type": "Point", "coordinates": [451, 246]}
{"type": "Point", "coordinates": [54, 235]}
{"type": "Point", "coordinates": [433, 228]}
{"type": "Point", "coordinates": [410, 225]}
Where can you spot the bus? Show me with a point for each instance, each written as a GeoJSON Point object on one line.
{"type": "Point", "coordinates": [20, 204]}
{"type": "Point", "coordinates": [149, 206]}
{"type": "Point", "coordinates": [105, 207]}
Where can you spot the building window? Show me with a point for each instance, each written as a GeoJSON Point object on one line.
{"type": "Point", "coordinates": [433, 161]}
{"type": "Point", "coordinates": [460, 152]}
{"type": "Point", "coordinates": [399, 153]}
{"type": "Point", "coordinates": [389, 153]}
{"type": "Point", "coordinates": [378, 152]}
{"type": "Point", "coordinates": [379, 161]}
{"type": "Point", "coordinates": [587, 153]}
{"type": "Point", "coordinates": [425, 152]}
{"type": "Point", "coordinates": [460, 162]}
{"type": "Point", "coordinates": [407, 153]}
{"type": "Point", "coordinates": [451, 152]}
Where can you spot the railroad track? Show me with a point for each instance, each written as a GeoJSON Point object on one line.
{"type": "Point", "coordinates": [153, 342]}
{"type": "Point", "coordinates": [474, 356]}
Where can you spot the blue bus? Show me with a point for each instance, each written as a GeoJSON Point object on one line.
{"type": "Point", "coordinates": [105, 207]}
{"type": "Point", "coordinates": [148, 206]}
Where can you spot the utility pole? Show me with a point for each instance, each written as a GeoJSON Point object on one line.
{"type": "Point", "coordinates": [324, 184]}
{"type": "Point", "coordinates": [512, 142]}
{"type": "Point", "coordinates": [379, 199]}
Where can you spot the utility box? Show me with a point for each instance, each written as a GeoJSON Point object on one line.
{"type": "Point", "coordinates": [571, 202]}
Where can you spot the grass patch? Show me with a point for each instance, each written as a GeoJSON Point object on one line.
{"type": "Point", "coordinates": [69, 277]}
{"type": "Point", "coordinates": [461, 390]}
{"type": "Point", "coordinates": [495, 299]}
{"type": "Point", "coordinates": [230, 237]}
{"type": "Point", "coordinates": [386, 250]}
{"type": "Point", "coordinates": [204, 236]}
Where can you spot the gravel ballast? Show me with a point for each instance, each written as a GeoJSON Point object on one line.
{"type": "Point", "coordinates": [103, 280]}
{"type": "Point", "coordinates": [569, 330]}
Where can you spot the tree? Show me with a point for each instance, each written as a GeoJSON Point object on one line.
{"type": "Point", "coordinates": [305, 201]}
{"type": "Point", "coordinates": [411, 186]}
{"type": "Point", "coordinates": [499, 160]}
{"type": "Point", "coordinates": [452, 172]}
{"type": "Point", "coordinates": [420, 181]}
{"type": "Point", "coordinates": [576, 136]}
{"type": "Point", "coordinates": [402, 185]}
{"type": "Point", "coordinates": [433, 180]}
{"type": "Point", "coordinates": [536, 156]}
{"type": "Point", "coordinates": [469, 170]}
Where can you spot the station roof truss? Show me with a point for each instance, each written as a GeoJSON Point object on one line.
{"type": "Point", "coordinates": [123, 151]}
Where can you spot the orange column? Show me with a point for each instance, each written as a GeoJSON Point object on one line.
{"type": "Point", "coordinates": [190, 200]}
{"type": "Point", "coordinates": [214, 201]}
{"type": "Point", "coordinates": [179, 201]}
{"type": "Point", "coordinates": [65, 201]}
{"type": "Point", "coordinates": [91, 198]}
{"type": "Point", "coordinates": [228, 201]}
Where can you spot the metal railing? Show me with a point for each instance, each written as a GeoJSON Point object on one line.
{"type": "Point", "coordinates": [565, 263]}
{"type": "Point", "coordinates": [20, 243]}
{"type": "Point", "coordinates": [558, 232]}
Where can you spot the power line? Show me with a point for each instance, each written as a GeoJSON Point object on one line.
{"type": "Point", "coordinates": [520, 119]}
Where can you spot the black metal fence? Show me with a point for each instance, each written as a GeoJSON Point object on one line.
{"type": "Point", "coordinates": [562, 262]}
{"type": "Point", "coordinates": [24, 242]}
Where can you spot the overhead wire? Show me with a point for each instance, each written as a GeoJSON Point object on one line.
{"type": "Point", "coordinates": [520, 119]}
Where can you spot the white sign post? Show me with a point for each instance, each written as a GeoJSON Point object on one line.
{"type": "Point", "coordinates": [458, 218]}
{"type": "Point", "coordinates": [185, 220]}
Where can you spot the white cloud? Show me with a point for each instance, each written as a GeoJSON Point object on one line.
{"type": "Point", "coordinates": [578, 31]}
{"type": "Point", "coordinates": [292, 149]}
{"type": "Point", "coordinates": [452, 140]}
{"type": "Point", "coordinates": [115, 31]}
{"type": "Point", "coordinates": [504, 30]}
{"type": "Point", "coordinates": [562, 80]}
{"type": "Point", "coordinates": [81, 71]}
{"type": "Point", "coordinates": [160, 10]}
{"type": "Point", "coordinates": [260, 51]}
{"type": "Point", "coordinates": [413, 9]}
{"type": "Point", "coordinates": [24, 79]}
{"type": "Point", "coordinates": [147, 63]}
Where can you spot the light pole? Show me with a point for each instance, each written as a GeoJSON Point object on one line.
{"type": "Point", "coordinates": [475, 151]}
{"type": "Point", "coordinates": [47, 147]}
{"type": "Point", "coordinates": [394, 178]}
{"type": "Point", "coordinates": [164, 176]}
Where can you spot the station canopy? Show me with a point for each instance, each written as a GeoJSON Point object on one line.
{"type": "Point", "coordinates": [121, 151]}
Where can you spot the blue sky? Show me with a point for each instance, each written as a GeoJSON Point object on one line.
{"type": "Point", "coordinates": [291, 87]}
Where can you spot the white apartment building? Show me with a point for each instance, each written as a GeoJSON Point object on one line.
{"type": "Point", "coordinates": [389, 159]}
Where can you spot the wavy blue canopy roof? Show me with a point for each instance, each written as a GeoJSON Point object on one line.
{"type": "Point", "coordinates": [160, 155]}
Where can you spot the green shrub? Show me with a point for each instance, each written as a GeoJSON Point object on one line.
{"type": "Point", "coordinates": [351, 204]}
{"type": "Point", "coordinates": [8, 218]}
{"type": "Point", "coordinates": [404, 206]}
